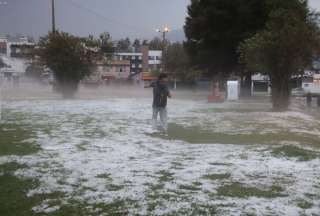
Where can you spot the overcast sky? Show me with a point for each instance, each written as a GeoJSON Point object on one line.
{"type": "Point", "coordinates": [134, 18]}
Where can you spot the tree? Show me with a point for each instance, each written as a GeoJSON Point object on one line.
{"type": "Point", "coordinates": [106, 43]}
{"type": "Point", "coordinates": [34, 70]}
{"type": "Point", "coordinates": [284, 48]}
{"type": "Point", "coordinates": [156, 44]}
{"type": "Point", "coordinates": [215, 28]}
{"type": "Point", "coordinates": [124, 45]}
{"type": "Point", "coordinates": [2, 63]}
{"type": "Point", "coordinates": [136, 44]}
{"type": "Point", "coordinates": [178, 62]}
{"type": "Point", "coordinates": [102, 44]}
{"type": "Point", "coordinates": [145, 42]}
{"type": "Point", "coordinates": [67, 57]}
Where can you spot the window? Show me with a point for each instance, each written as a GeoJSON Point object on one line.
{"type": "Point", "coordinates": [133, 66]}
{"type": "Point", "coordinates": [140, 57]}
{"type": "Point", "coordinates": [132, 58]}
{"type": "Point", "coordinates": [140, 65]}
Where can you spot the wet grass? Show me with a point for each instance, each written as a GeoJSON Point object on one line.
{"type": "Point", "coordinates": [196, 209]}
{"type": "Point", "coordinates": [82, 146]}
{"type": "Point", "coordinates": [191, 188]}
{"type": "Point", "coordinates": [106, 176]}
{"type": "Point", "coordinates": [241, 191]}
{"type": "Point", "coordinates": [16, 140]}
{"type": "Point", "coordinates": [13, 190]}
{"type": "Point", "coordinates": [196, 135]}
{"type": "Point", "coordinates": [233, 110]}
{"type": "Point", "coordinates": [296, 152]}
{"type": "Point", "coordinates": [119, 207]}
{"type": "Point", "coordinates": [220, 164]}
{"type": "Point", "coordinates": [304, 204]}
{"type": "Point", "coordinates": [15, 202]}
{"type": "Point", "coordinates": [110, 186]}
{"type": "Point", "coordinates": [214, 177]}
{"type": "Point", "coordinates": [165, 176]}
{"type": "Point", "coordinates": [157, 193]}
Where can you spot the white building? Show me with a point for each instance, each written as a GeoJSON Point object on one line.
{"type": "Point", "coordinates": [155, 59]}
{"type": "Point", "coordinates": [14, 53]}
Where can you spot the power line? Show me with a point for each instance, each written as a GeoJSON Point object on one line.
{"type": "Point", "coordinates": [112, 21]}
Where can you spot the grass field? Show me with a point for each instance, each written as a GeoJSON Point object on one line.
{"type": "Point", "coordinates": [101, 157]}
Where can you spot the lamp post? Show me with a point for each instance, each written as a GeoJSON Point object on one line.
{"type": "Point", "coordinates": [53, 17]}
{"type": "Point", "coordinates": [164, 31]}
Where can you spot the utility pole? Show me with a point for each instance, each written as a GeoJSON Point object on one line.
{"type": "Point", "coordinates": [53, 17]}
{"type": "Point", "coordinates": [164, 32]}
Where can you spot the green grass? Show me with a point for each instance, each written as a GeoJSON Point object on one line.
{"type": "Point", "coordinates": [118, 207]}
{"type": "Point", "coordinates": [15, 140]}
{"type": "Point", "coordinates": [82, 146]}
{"type": "Point", "coordinates": [14, 200]}
{"type": "Point", "coordinates": [196, 209]}
{"type": "Point", "coordinates": [13, 190]}
{"type": "Point", "coordinates": [217, 176]}
{"type": "Point", "coordinates": [190, 187]}
{"type": "Point", "coordinates": [196, 135]}
{"type": "Point", "coordinates": [294, 152]}
{"type": "Point", "coordinates": [241, 191]}
{"type": "Point", "coordinates": [233, 110]}
{"type": "Point", "coordinates": [304, 204]}
{"type": "Point", "coordinates": [106, 176]}
{"type": "Point", "coordinates": [220, 164]}
{"type": "Point", "coordinates": [165, 176]}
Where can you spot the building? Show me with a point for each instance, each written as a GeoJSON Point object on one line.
{"type": "Point", "coordinates": [138, 67]}
{"type": "Point", "coordinates": [20, 49]}
{"type": "Point", "coordinates": [16, 47]}
{"type": "Point", "coordinates": [105, 71]}
{"type": "Point", "coordinates": [155, 60]}
{"type": "Point", "coordinates": [142, 64]}
{"type": "Point", "coordinates": [3, 44]}
{"type": "Point", "coordinates": [135, 59]}
{"type": "Point", "coordinates": [15, 53]}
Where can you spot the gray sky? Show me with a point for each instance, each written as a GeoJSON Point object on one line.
{"type": "Point", "coordinates": [134, 18]}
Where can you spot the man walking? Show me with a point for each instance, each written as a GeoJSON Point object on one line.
{"type": "Point", "coordinates": [160, 95]}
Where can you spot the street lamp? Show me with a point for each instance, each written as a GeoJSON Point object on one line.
{"type": "Point", "coordinates": [164, 31]}
{"type": "Point", "coordinates": [53, 17]}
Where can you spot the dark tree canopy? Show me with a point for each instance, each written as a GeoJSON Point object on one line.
{"type": "Point", "coordinates": [156, 44]}
{"type": "Point", "coordinates": [178, 63]}
{"type": "Point", "coordinates": [105, 43]}
{"type": "Point", "coordinates": [1, 63]}
{"type": "Point", "coordinates": [68, 58]}
{"type": "Point", "coordinates": [285, 47]}
{"type": "Point", "coordinates": [215, 28]}
{"type": "Point", "coordinates": [124, 45]}
{"type": "Point", "coordinates": [136, 44]}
